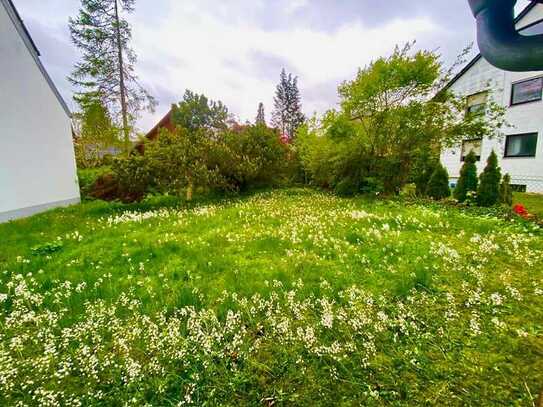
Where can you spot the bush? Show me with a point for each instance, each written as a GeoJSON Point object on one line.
{"type": "Point", "coordinates": [251, 156]}
{"type": "Point", "coordinates": [468, 178]}
{"type": "Point", "coordinates": [506, 192]}
{"type": "Point", "coordinates": [488, 193]}
{"type": "Point", "coordinates": [390, 125]}
{"type": "Point", "coordinates": [131, 179]}
{"type": "Point", "coordinates": [438, 186]}
{"type": "Point", "coordinates": [178, 161]}
{"type": "Point", "coordinates": [88, 177]}
{"type": "Point", "coordinates": [185, 161]}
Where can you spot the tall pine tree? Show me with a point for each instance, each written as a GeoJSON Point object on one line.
{"type": "Point", "coordinates": [107, 67]}
{"type": "Point", "coordinates": [260, 116]}
{"type": "Point", "coordinates": [287, 115]}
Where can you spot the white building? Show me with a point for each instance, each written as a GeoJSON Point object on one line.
{"type": "Point", "coordinates": [520, 147]}
{"type": "Point", "coordinates": [37, 162]}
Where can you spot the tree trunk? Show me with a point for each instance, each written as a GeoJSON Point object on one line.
{"type": "Point", "coordinates": [124, 109]}
{"type": "Point", "coordinates": [190, 189]}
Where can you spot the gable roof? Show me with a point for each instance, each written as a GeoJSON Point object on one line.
{"type": "Point", "coordinates": [466, 68]}
{"type": "Point", "coordinates": [31, 46]}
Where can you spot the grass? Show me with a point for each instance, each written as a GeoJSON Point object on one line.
{"type": "Point", "coordinates": [532, 202]}
{"type": "Point", "coordinates": [290, 297]}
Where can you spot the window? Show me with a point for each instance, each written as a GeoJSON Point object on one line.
{"type": "Point", "coordinates": [471, 145]}
{"type": "Point", "coordinates": [477, 103]}
{"type": "Point", "coordinates": [521, 145]}
{"type": "Point", "coordinates": [518, 188]}
{"type": "Point", "coordinates": [526, 91]}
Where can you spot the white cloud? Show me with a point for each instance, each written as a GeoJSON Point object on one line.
{"type": "Point", "coordinates": [234, 51]}
{"type": "Point", "coordinates": [214, 56]}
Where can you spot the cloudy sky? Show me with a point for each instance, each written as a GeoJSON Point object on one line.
{"type": "Point", "coordinates": [234, 50]}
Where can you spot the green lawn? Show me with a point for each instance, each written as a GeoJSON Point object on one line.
{"type": "Point", "coordinates": [291, 297]}
{"type": "Point", "coordinates": [532, 202]}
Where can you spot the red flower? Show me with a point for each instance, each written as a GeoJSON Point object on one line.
{"type": "Point", "coordinates": [521, 210]}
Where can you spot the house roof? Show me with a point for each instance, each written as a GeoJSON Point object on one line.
{"type": "Point", "coordinates": [31, 46]}
{"type": "Point", "coordinates": [166, 120]}
{"type": "Point", "coordinates": [466, 68]}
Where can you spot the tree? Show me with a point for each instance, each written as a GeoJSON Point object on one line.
{"type": "Point", "coordinates": [107, 66]}
{"type": "Point", "coordinates": [97, 135]}
{"type": "Point", "coordinates": [390, 113]}
{"type": "Point", "coordinates": [438, 186]}
{"type": "Point", "coordinates": [260, 116]}
{"type": "Point", "coordinates": [468, 178]}
{"type": "Point", "coordinates": [506, 192]}
{"type": "Point", "coordinates": [196, 112]}
{"type": "Point", "coordinates": [287, 115]}
{"type": "Point", "coordinates": [178, 161]}
{"type": "Point", "coordinates": [488, 193]}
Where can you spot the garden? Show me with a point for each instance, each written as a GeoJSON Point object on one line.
{"type": "Point", "coordinates": [279, 297]}
{"type": "Point", "coordinates": [321, 261]}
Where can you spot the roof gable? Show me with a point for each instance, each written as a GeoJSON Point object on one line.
{"type": "Point", "coordinates": [31, 46]}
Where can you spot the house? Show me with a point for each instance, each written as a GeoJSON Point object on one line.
{"type": "Point", "coordinates": [520, 147]}
{"type": "Point", "coordinates": [37, 162]}
{"type": "Point", "coordinates": [164, 123]}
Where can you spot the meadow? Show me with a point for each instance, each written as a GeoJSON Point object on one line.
{"type": "Point", "coordinates": [286, 297]}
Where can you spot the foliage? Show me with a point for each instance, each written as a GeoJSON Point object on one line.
{"type": "Point", "coordinates": [178, 161]}
{"type": "Point", "coordinates": [96, 134]}
{"type": "Point", "coordinates": [468, 180]}
{"type": "Point", "coordinates": [196, 112]}
{"type": "Point", "coordinates": [438, 186]}
{"type": "Point", "coordinates": [131, 180]}
{"type": "Point", "coordinates": [488, 193]}
{"type": "Point", "coordinates": [260, 116]}
{"type": "Point", "coordinates": [204, 160]}
{"type": "Point", "coordinates": [289, 297]}
{"type": "Point", "coordinates": [250, 157]}
{"type": "Point", "coordinates": [106, 70]}
{"type": "Point", "coordinates": [46, 248]}
{"type": "Point", "coordinates": [88, 177]}
{"type": "Point", "coordinates": [389, 117]}
{"type": "Point", "coordinates": [506, 193]}
{"type": "Point", "coordinates": [423, 166]}
{"type": "Point", "coordinates": [287, 115]}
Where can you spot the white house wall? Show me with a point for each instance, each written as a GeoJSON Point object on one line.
{"type": "Point", "coordinates": [524, 118]}
{"type": "Point", "coordinates": [37, 165]}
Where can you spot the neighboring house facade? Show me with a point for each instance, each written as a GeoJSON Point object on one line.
{"type": "Point", "coordinates": [520, 147]}
{"type": "Point", "coordinates": [37, 162]}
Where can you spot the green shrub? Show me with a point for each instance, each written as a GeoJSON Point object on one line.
{"type": "Point", "coordinates": [88, 177]}
{"type": "Point", "coordinates": [438, 186]}
{"type": "Point", "coordinates": [506, 192]}
{"type": "Point", "coordinates": [131, 176]}
{"type": "Point", "coordinates": [248, 157]}
{"type": "Point", "coordinates": [488, 193]}
{"type": "Point", "coordinates": [468, 178]}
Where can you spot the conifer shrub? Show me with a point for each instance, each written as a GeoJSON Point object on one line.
{"type": "Point", "coordinates": [506, 192]}
{"type": "Point", "coordinates": [488, 193]}
{"type": "Point", "coordinates": [438, 186]}
{"type": "Point", "coordinates": [468, 178]}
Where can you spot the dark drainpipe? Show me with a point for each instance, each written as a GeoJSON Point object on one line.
{"type": "Point", "coordinates": [499, 41]}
